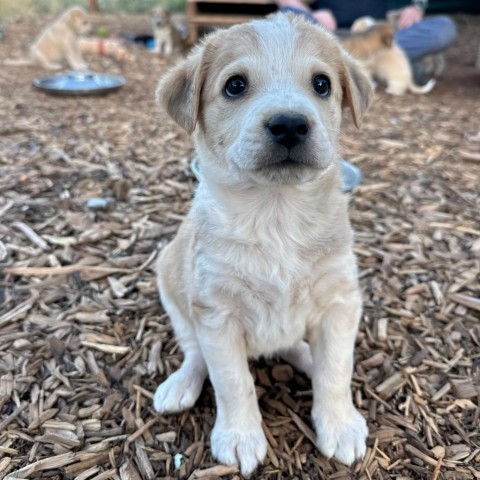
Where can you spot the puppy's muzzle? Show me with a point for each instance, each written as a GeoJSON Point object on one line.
{"type": "Point", "coordinates": [288, 130]}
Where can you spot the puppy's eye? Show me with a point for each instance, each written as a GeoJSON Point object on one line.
{"type": "Point", "coordinates": [235, 86]}
{"type": "Point", "coordinates": [321, 85]}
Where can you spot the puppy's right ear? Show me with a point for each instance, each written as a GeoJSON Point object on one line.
{"type": "Point", "coordinates": [179, 90]}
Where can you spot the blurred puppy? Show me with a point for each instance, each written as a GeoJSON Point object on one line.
{"type": "Point", "coordinates": [389, 64]}
{"type": "Point", "coordinates": [59, 41]}
{"type": "Point", "coordinates": [263, 263]}
{"type": "Point", "coordinates": [166, 35]}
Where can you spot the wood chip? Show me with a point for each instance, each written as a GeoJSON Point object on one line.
{"type": "Point", "coordinates": [391, 385]}
{"type": "Point", "coordinates": [129, 472]}
{"type": "Point", "coordinates": [470, 302]}
{"type": "Point", "coordinates": [212, 472]}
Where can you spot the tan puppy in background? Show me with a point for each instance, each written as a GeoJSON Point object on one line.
{"type": "Point", "coordinates": [390, 64]}
{"type": "Point", "coordinates": [59, 42]}
{"type": "Point", "coordinates": [167, 38]}
{"type": "Point", "coordinates": [263, 263]}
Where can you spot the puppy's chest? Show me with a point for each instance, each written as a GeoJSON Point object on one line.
{"type": "Point", "coordinates": [269, 291]}
{"type": "Point", "coordinates": [164, 34]}
{"type": "Point", "coordinates": [278, 319]}
{"type": "Point", "coordinates": [261, 270]}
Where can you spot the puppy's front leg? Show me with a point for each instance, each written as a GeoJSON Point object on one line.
{"type": "Point", "coordinates": [168, 47]}
{"type": "Point", "coordinates": [341, 430]}
{"type": "Point", "coordinates": [237, 437]}
{"type": "Point", "coordinates": [74, 57]}
{"type": "Point", "coordinates": [157, 39]}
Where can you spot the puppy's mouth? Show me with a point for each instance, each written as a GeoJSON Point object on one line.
{"type": "Point", "coordinates": [288, 162]}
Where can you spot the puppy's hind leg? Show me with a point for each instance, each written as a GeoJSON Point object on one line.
{"type": "Point", "coordinates": [300, 357]}
{"type": "Point", "coordinates": [396, 88]}
{"type": "Point", "coordinates": [181, 390]}
{"type": "Point", "coordinates": [156, 47]}
{"type": "Point", "coordinates": [38, 58]}
{"type": "Point", "coordinates": [157, 41]}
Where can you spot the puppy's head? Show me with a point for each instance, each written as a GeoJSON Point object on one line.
{"type": "Point", "coordinates": [265, 100]}
{"type": "Point", "coordinates": [363, 43]}
{"type": "Point", "coordinates": [362, 24]}
{"type": "Point", "coordinates": [381, 30]}
{"type": "Point", "coordinates": [386, 32]}
{"type": "Point", "coordinates": [78, 20]}
{"type": "Point", "coordinates": [160, 17]}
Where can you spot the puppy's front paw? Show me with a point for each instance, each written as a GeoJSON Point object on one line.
{"type": "Point", "coordinates": [178, 392]}
{"type": "Point", "coordinates": [239, 444]}
{"type": "Point", "coordinates": [341, 433]}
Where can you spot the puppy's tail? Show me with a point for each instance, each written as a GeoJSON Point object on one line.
{"type": "Point", "coordinates": [17, 62]}
{"type": "Point", "coordinates": [423, 89]}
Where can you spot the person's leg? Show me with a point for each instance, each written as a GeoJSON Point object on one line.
{"type": "Point", "coordinates": [431, 35]}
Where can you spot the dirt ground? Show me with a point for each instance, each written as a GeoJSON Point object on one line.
{"type": "Point", "coordinates": [84, 341]}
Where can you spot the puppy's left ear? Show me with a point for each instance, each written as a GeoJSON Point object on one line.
{"type": "Point", "coordinates": [357, 88]}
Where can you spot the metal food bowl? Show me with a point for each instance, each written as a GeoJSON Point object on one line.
{"type": "Point", "coordinates": [351, 174]}
{"type": "Point", "coordinates": [80, 83]}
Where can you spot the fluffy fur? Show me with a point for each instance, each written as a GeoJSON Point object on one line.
{"type": "Point", "coordinates": [263, 263]}
{"type": "Point", "coordinates": [388, 64]}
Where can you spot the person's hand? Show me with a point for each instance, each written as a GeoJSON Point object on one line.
{"type": "Point", "coordinates": [326, 18]}
{"type": "Point", "coordinates": [409, 16]}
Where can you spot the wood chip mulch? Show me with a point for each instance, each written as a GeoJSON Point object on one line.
{"type": "Point", "coordinates": [84, 341]}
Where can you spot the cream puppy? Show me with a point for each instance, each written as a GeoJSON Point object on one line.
{"type": "Point", "coordinates": [389, 64]}
{"type": "Point", "coordinates": [59, 42]}
{"type": "Point", "coordinates": [167, 38]}
{"type": "Point", "coordinates": [263, 263]}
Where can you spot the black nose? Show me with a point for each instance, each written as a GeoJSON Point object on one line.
{"type": "Point", "coordinates": [288, 129]}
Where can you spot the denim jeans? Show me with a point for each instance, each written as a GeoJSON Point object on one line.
{"type": "Point", "coordinates": [431, 35]}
